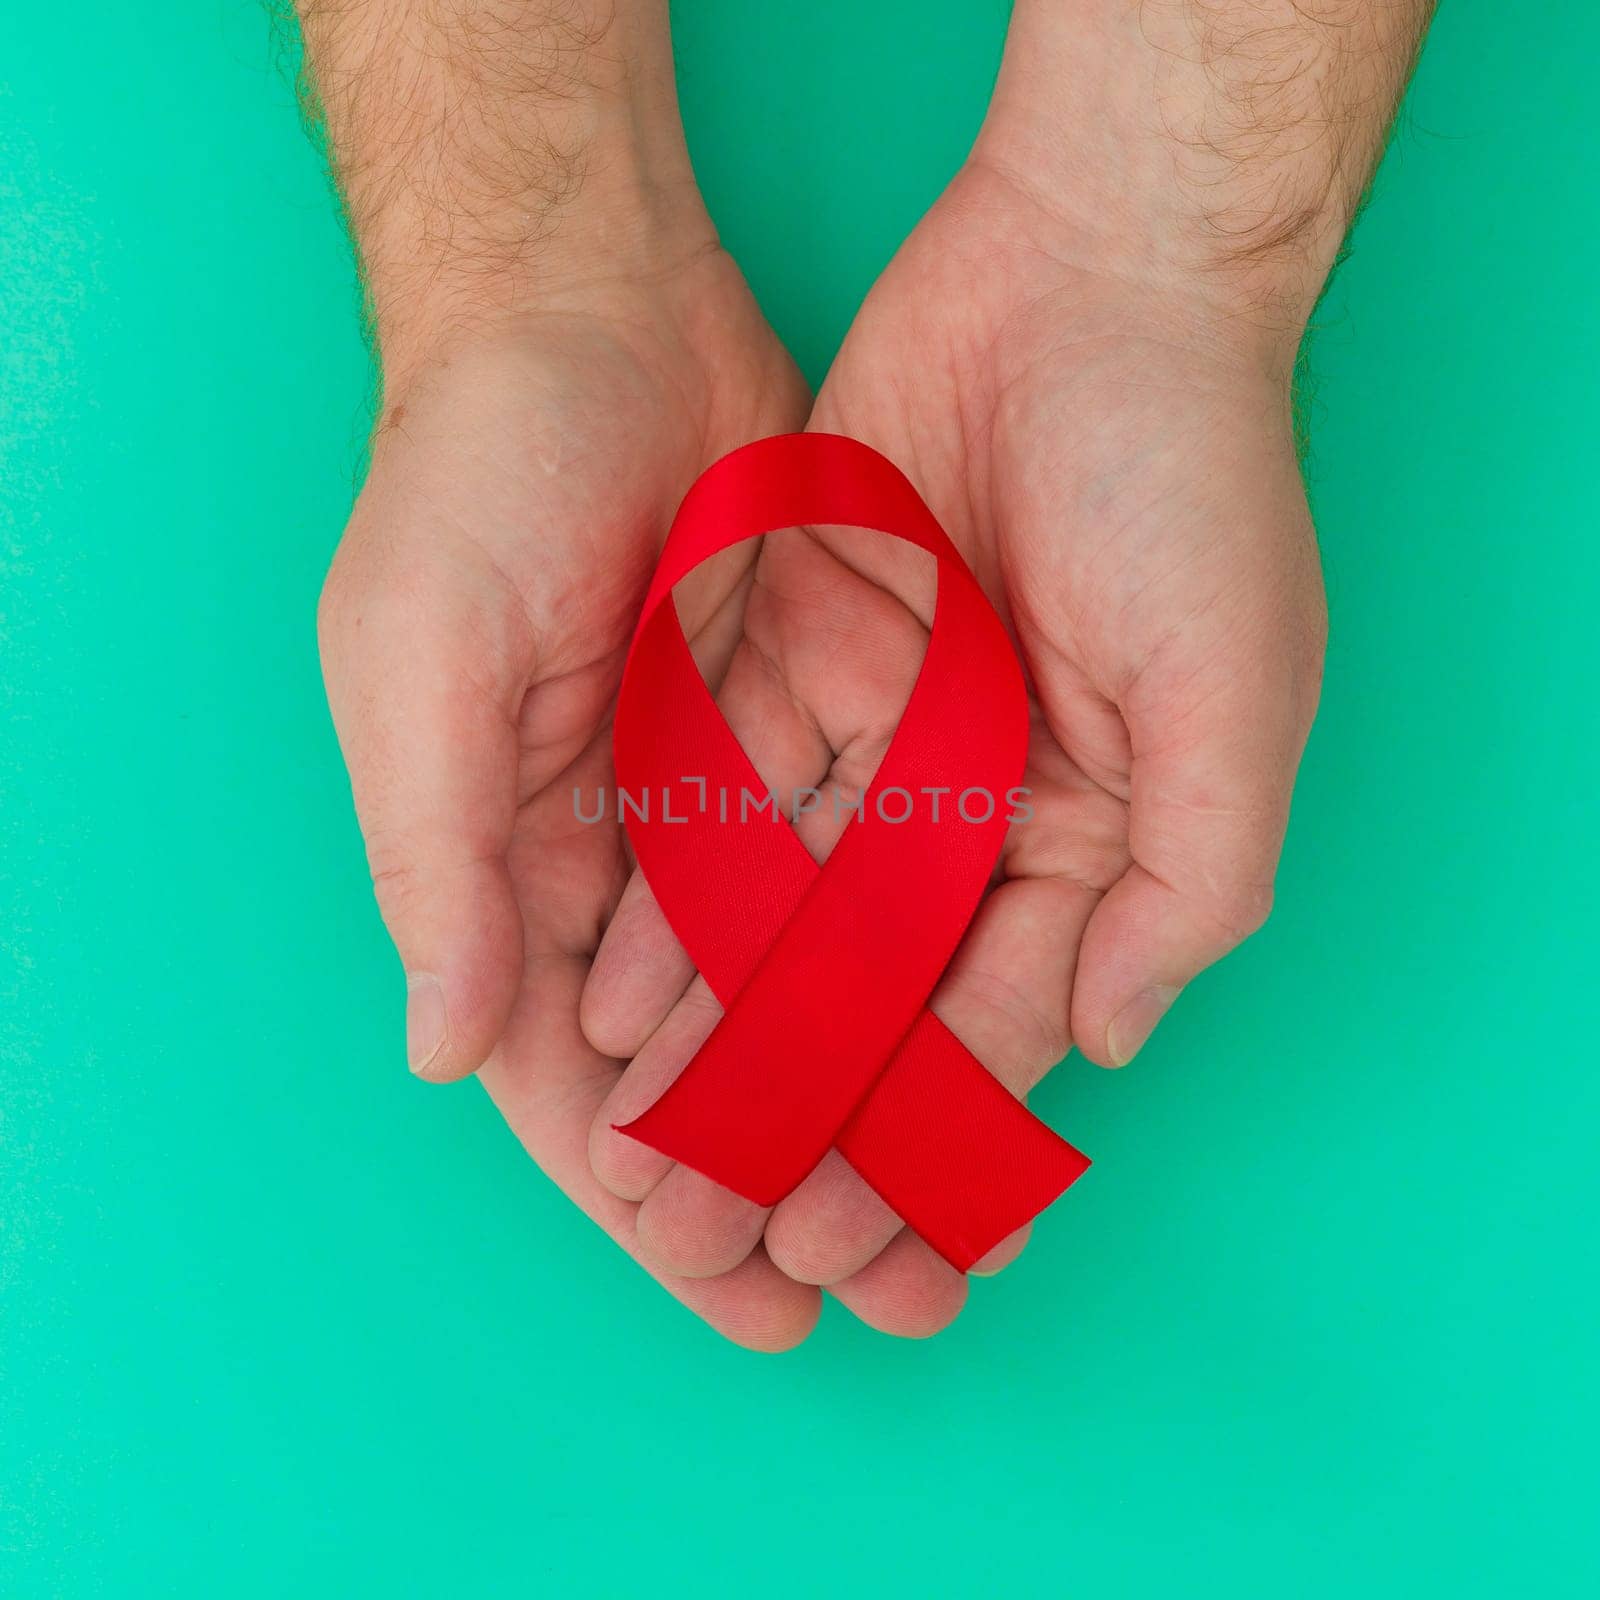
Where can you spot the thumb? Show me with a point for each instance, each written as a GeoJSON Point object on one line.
{"type": "Point", "coordinates": [424, 686]}
{"type": "Point", "coordinates": [1214, 759]}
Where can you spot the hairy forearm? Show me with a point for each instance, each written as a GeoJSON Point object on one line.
{"type": "Point", "coordinates": [495, 153]}
{"type": "Point", "coordinates": [1220, 146]}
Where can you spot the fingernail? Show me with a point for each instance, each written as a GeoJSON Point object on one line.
{"type": "Point", "coordinates": [1136, 1021]}
{"type": "Point", "coordinates": [425, 1020]}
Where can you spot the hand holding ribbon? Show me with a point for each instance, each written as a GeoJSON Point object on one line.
{"type": "Point", "coordinates": [825, 973]}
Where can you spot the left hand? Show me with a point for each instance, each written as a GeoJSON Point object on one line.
{"type": "Point", "coordinates": [1117, 465]}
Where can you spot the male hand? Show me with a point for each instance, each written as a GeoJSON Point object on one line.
{"type": "Point", "coordinates": [1086, 371]}
{"type": "Point", "coordinates": [556, 378]}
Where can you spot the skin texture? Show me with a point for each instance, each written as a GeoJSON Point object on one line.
{"type": "Point", "coordinates": [1082, 356]}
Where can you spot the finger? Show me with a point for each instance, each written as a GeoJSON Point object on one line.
{"type": "Point", "coordinates": [425, 673]}
{"type": "Point", "coordinates": [831, 1225]}
{"type": "Point", "coordinates": [1215, 745]}
{"type": "Point", "coordinates": [548, 1081]}
{"type": "Point", "coordinates": [907, 1290]}
{"type": "Point", "coordinates": [860, 1220]}
{"type": "Point", "coordinates": [639, 971]}
{"type": "Point", "coordinates": [629, 1168]}
{"type": "Point", "coordinates": [1006, 996]}
{"type": "Point", "coordinates": [694, 1228]}
{"type": "Point", "coordinates": [688, 1226]}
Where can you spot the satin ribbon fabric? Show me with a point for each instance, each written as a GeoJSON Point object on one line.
{"type": "Point", "coordinates": [824, 972]}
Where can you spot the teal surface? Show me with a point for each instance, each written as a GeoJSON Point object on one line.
{"type": "Point", "coordinates": [276, 1319]}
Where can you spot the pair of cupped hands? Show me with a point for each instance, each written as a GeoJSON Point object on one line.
{"type": "Point", "coordinates": [1115, 461]}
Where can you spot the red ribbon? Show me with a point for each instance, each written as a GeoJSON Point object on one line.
{"type": "Point", "coordinates": [824, 972]}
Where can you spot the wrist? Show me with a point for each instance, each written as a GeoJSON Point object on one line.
{"type": "Point", "coordinates": [605, 258]}
{"type": "Point", "coordinates": [499, 163]}
{"type": "Point", "coordinates": [1208, 158]}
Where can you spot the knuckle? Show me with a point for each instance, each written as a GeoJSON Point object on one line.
{"type": "Point", "coordinates": [396, 877]}
{"type": "Point", "coordinates": [408, 863]}
{"type": "Point", "coordinates": [1240, 909]}
{"type": "Point", "coordinates": [408, 866]}
{"type": "Point", "coordinates": [1041, 1037]}
{"type": "Point", "coordinates": [1078, 835]}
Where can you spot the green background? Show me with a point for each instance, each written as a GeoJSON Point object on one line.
{"type": "Point", "coordinates": [278, 1319]}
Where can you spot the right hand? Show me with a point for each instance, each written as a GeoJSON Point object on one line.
{"type": "Point", "coordinates": [473, 629]}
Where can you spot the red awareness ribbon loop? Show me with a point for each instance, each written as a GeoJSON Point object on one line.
{"type": "Point", "coordinates": [824, 972]}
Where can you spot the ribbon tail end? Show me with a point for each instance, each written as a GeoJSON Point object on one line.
{"type": "Point", "coordinates": [663, 1136]}
{"type": "Point", "coordinates": [963, 1244]}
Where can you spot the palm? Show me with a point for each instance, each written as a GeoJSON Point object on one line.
{"type": "Point", "coordinates": [1130, 502]}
